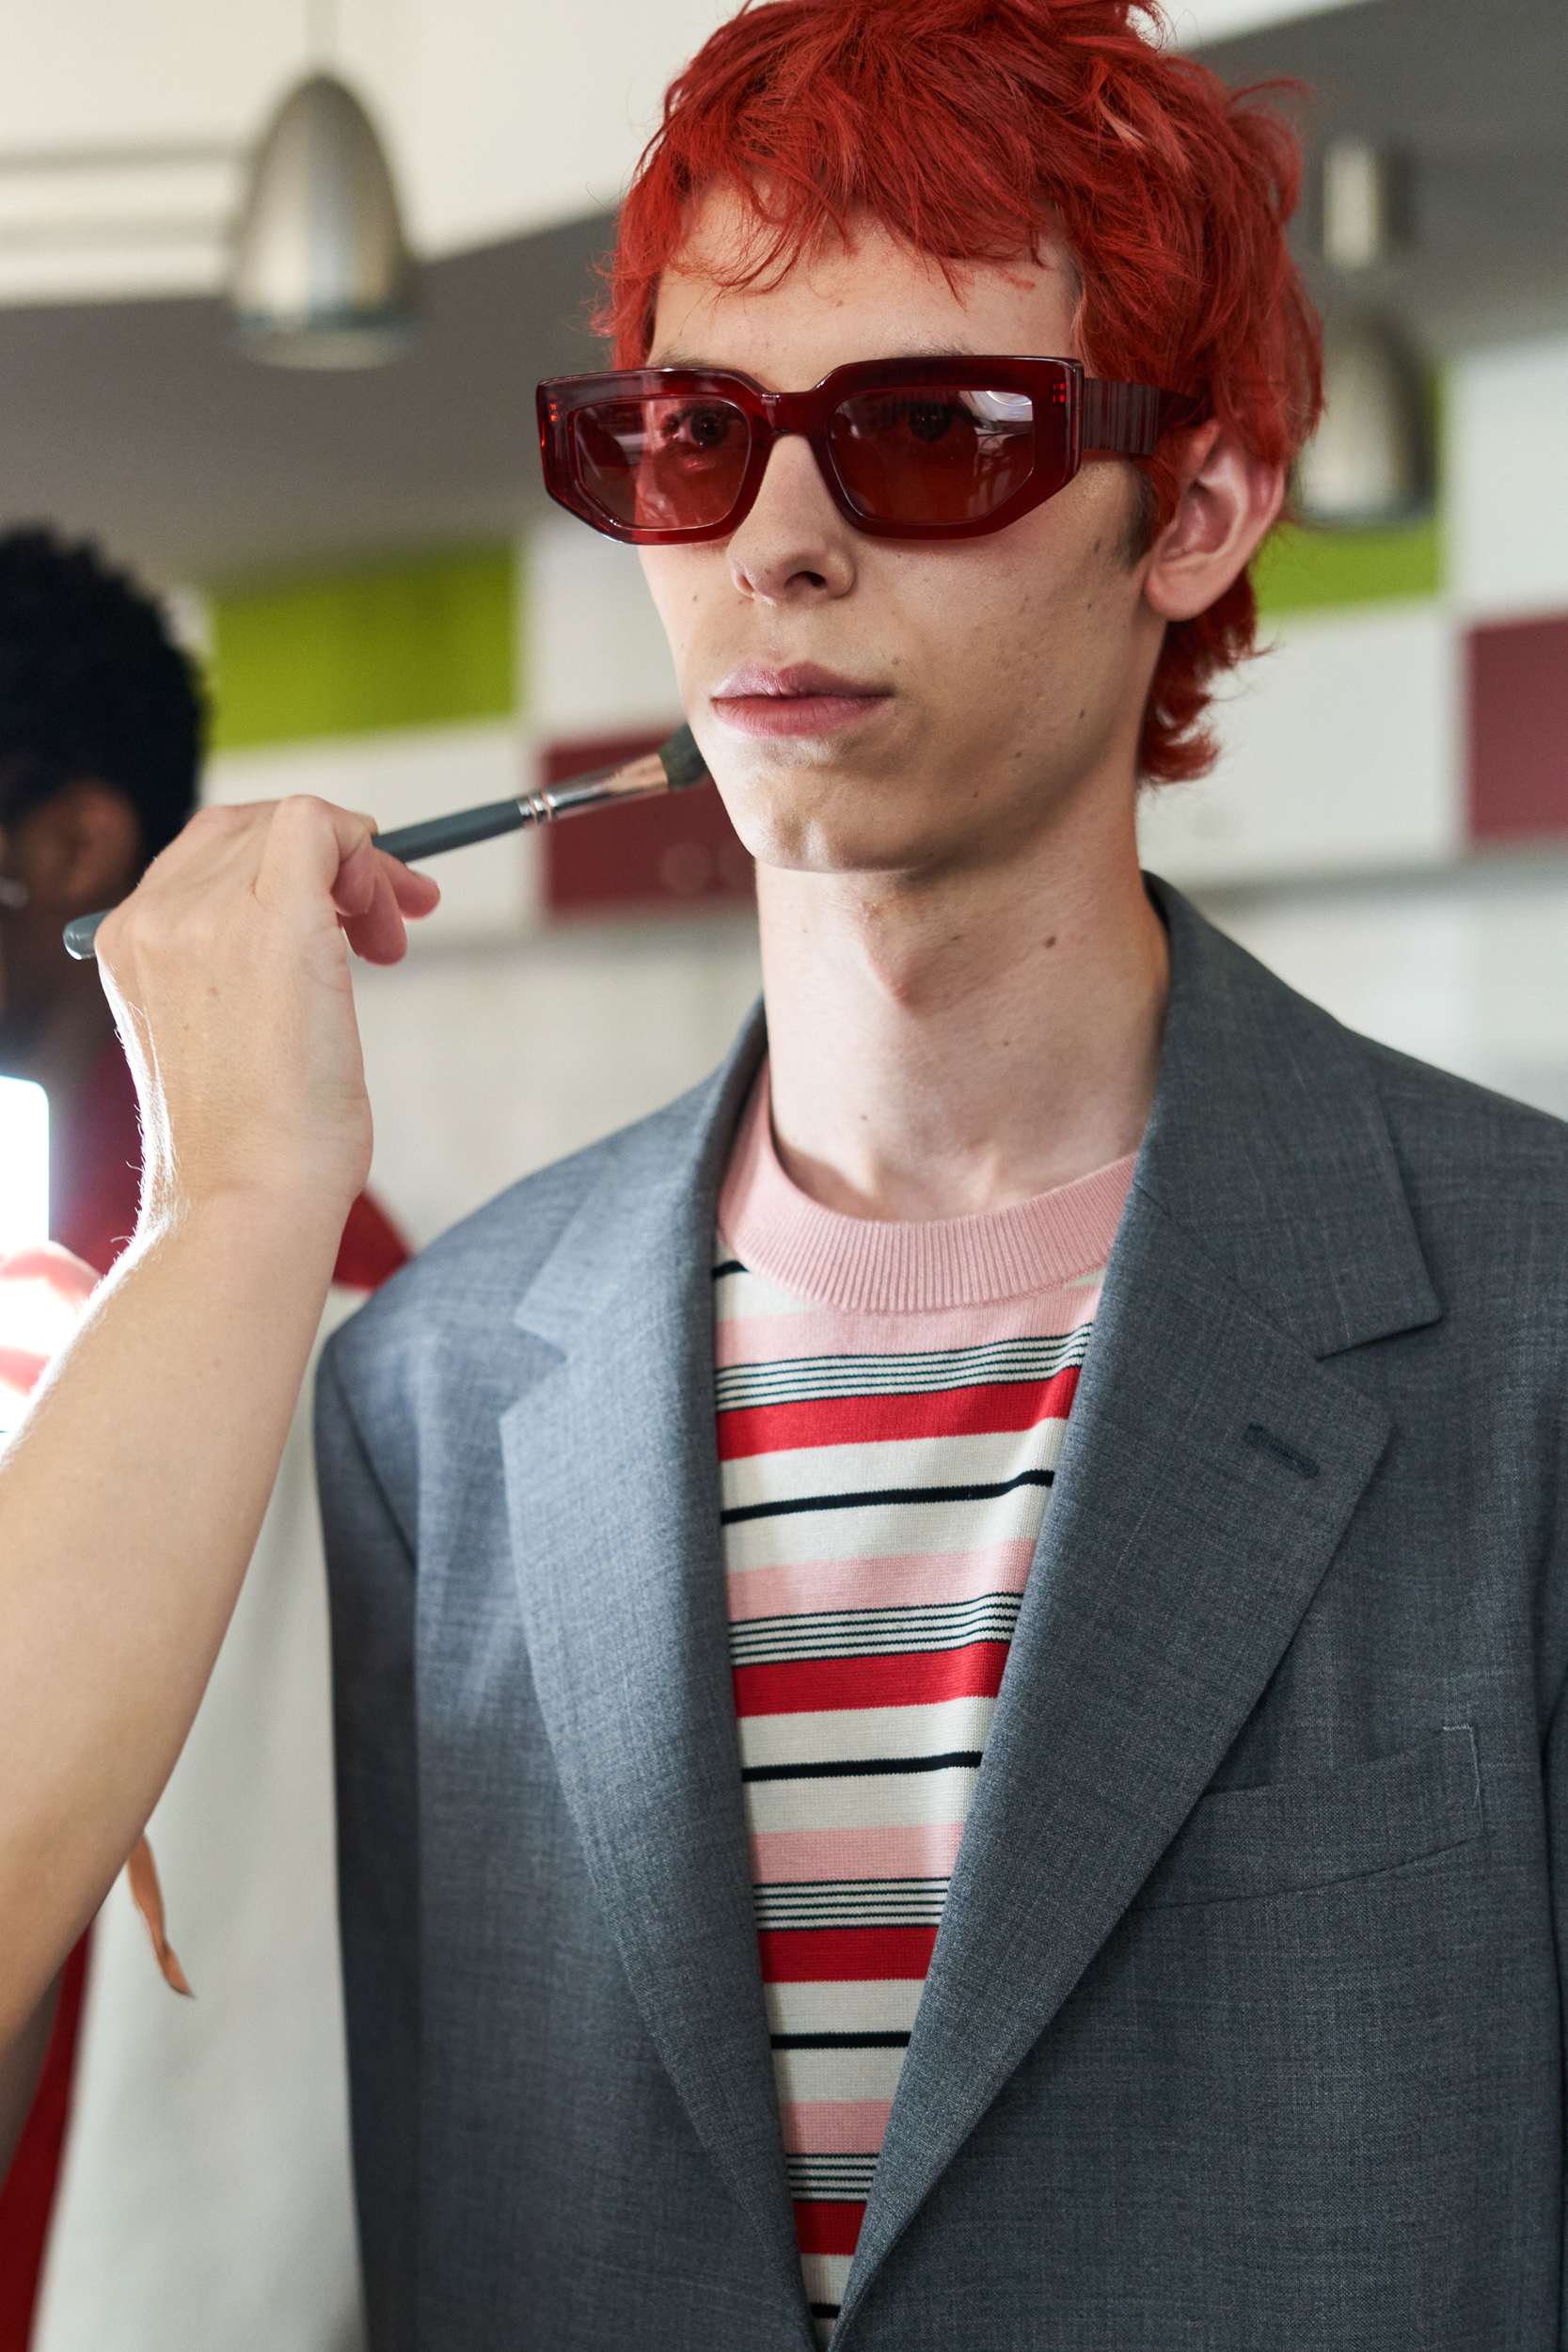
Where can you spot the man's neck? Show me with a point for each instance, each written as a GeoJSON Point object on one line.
{"type": "Point", "coordinates": [944, 1045]}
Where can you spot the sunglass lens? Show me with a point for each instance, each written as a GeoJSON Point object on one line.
{"type": "Point", "coordinates": [674, 464]}
{"type": "Point", "coordinates": [941, 453]}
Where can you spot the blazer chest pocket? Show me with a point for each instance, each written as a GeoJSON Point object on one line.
{"type": "Point", "coordinates": [1291, 1836]}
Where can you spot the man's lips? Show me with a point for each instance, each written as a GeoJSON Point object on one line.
{"type": "Point", "coordinates": [800, 699]}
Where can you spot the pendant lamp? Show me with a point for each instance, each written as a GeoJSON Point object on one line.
{"type": "Point", "coordinates": [1370, 460]}
{"type": "Point", "coordinates": [322, 277]}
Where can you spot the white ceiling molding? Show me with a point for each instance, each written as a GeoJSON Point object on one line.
{"type": "Point", "coordinates": [120, 219]}
{"type": "Point", "coordinates": [1195, 23]}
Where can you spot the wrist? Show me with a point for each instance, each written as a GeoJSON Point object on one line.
{"type": "Point", "coordinates": [299, 1225]}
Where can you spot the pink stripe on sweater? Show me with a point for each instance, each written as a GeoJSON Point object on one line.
{"type": "Point", "coordinates": [904, 1579]}
{"type": "Point", "coordinates": [833, 2127]}
{"type": "Point", "coordinates": [919, 1849]}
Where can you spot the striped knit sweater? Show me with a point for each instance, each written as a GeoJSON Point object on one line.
{"type": "Point", "coordinates": [892, 1400]}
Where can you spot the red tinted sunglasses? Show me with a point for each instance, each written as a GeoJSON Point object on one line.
{"type": "Point", "coordinates": [909, 449]}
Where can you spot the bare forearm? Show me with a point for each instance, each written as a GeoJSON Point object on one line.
{"type": "Point", "coordinates": [132, 1496]}
{"type": "Point", "coordinates": [131, 1500]}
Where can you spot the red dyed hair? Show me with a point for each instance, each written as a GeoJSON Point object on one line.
{"type": "Point", "coordinates": [973, 129]}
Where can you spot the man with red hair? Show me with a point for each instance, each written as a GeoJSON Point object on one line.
{"type": "Point", "coordinates": [942, 1652]}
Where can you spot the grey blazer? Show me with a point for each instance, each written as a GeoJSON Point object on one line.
{"type": "Point", "coordinates": [1243, 2027]}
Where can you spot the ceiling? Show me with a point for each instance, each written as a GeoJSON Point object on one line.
{"type": "Point", "coordinates": [140, 422]}
{"type": "Point", "coordinates": [137, 420]}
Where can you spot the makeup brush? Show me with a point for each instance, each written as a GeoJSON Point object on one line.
{"type": "Point", "coordinates": [675, 767]}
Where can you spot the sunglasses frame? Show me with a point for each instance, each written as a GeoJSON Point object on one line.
{"type": "Point", "coordinates": [1102, 419]}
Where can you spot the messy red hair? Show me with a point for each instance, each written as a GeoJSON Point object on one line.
{"type": "Point", "coordinates": [973, 129]}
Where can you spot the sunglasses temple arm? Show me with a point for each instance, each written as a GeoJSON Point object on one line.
{"type": "Point", "coordinates": [1127, 420]}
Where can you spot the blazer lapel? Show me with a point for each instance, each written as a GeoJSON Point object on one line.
{"type": "Point", "coordinates": [1211, 1467]}
{"type": "Point", "coordinates": [612, 1488]}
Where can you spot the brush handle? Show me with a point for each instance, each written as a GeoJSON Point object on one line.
{"type": "Point", "coordinates": [675, 767]}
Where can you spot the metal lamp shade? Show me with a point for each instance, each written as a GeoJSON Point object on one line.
{"type": "Point", "coordinates": [322, 277]}
{"type": "Point", "coordinates": [1371, 459]}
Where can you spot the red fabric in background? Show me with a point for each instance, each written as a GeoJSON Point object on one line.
{"type": "Point", "coordinates": [97, 1181]}
{"type": "Point", "coordinates": [28, 2192]}
{"type": "Point", "coordinates": [674, 855]}
{"type": "Point", "coordinates": [1519, 709]}
{"type": "Point", "coordinates": [95, 1164]}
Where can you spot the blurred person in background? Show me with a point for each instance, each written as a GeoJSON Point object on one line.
{"type": "Point", "coordinates": [102, 723]}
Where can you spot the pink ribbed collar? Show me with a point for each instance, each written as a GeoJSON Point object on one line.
{"type": "Point", "coordinates": [867, 1265]}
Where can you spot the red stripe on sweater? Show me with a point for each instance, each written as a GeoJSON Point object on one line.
{"type": "Point", "coordinates": [749, 1429]}
{"type": "Point", "coordinates": [846, 1955]}
{"type": "Point", "coordinates": [808, 1686]}
{"type": "Point", "coordinates": [829, 2228]}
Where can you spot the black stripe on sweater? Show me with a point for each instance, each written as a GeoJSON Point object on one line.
{"type": "Point", "coordinates": [876, 1496]}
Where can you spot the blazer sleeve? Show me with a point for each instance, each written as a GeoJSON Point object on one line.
{"type": "Point", "coordinates": [1557, 1837]}
{"type": "Point", "coordinates": [371, 1580]}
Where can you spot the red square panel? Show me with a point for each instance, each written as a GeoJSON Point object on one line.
{"type": "Point", "coordinates": [676, 855]}
{"type": "Point", "coordinates": [1519, 678]}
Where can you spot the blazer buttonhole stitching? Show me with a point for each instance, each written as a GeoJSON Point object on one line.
{"type": "Point", "coordinates": [1264, 1442]}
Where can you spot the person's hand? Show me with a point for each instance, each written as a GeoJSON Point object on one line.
{"type": "Point", "coordinates": [227, 970]}
{"type": "Point", "coordinates": [43, 1291]}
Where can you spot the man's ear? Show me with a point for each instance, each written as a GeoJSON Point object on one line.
{"type": "Point", "coordinates": [81, 850]}
{"type": "Point", "coordinates": [1228, 499]}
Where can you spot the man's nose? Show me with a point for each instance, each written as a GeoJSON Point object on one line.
{"type": "Point", "coordinates": [794, 546]}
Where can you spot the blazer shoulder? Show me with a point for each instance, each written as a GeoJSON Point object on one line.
{"type": "Point", "coordinates": [1439, 1119]}
{"type": "Point", "coordinates": [1487, 1181]}
{"type": "Point", "coordinates": [471, 1278]}
{"type": "Point", "coordinates": [1432, 1116]}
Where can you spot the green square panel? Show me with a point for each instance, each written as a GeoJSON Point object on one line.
{"type": "Point", "coordinates": [1302, 569]}
{"type": "Point", "coordinates": [425, 641]}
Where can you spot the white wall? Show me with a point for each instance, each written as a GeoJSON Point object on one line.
{"type": "Point", "coordinates": [484, 1064]}
{"type": "Point", "coordinates": [1341, 752]}
{"type": "Point", "coordinates": [1468, 971]}
{"type": "Point", "coordinates": [1508, 480]}
{"type": "Point", "coordinates": [596, 658]}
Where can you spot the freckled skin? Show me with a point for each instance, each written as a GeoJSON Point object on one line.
{"type": "Point", "coordinates": [1018, 661]}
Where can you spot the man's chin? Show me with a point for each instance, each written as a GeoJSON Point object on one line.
{"type": "Point", "coordinates": [843, 842]}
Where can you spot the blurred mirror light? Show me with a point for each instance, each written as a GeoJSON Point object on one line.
{"type": "Point", "coordinates": [322, 275]}
{"type": "Point", "coordinates": [1371, 459]}
{"type": "Point", "coordinates": [24, 1222]}
{"type": "Point", "coordinates": [23, 1164]}
{"type": "Point", "coordinates": [1365, 193]}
